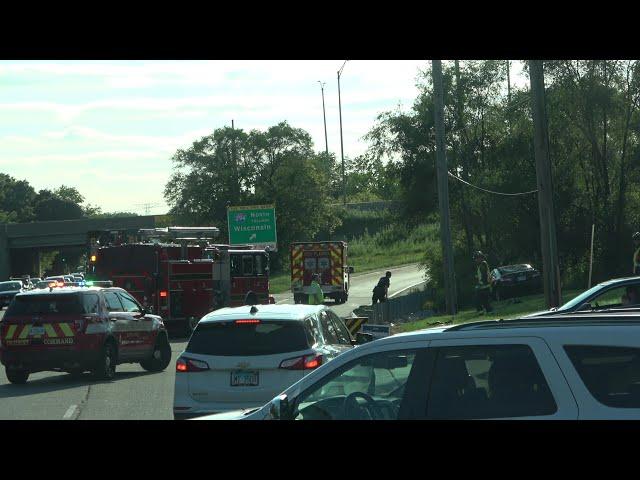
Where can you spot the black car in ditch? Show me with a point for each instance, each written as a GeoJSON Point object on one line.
{"type": "Point", "coordinates": [513, 280]}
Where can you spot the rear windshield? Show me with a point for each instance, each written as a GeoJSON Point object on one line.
{"type": "Point", "coordinates": [265, 338]}
{"type": "Point", "coordinates": [7, 286]}
{"type": "Point", "coordinates": [45, 305]}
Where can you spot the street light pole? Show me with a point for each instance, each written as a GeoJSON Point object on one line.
{"type": "Point", "coordinates": [344, 185]}
{"type": "Point", "coordinates": [324, 115]}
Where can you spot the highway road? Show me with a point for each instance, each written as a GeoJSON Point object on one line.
{"type": "Point", "coordinates": [402, 278]}
{"type": "Point", "coordinates": [135, 394]}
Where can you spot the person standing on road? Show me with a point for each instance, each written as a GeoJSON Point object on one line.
{"type": "Point", "coordinates": [636, 253]}
{"type": "Point", "coordinates": [381, 290]}
{"type": "Point", "coordinates": [316, 297]}
{"type": "Point", "coordinates": [483, 282]}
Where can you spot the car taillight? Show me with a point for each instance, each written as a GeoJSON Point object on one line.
{"type": "Point", "coordinates": [163, 294]}
{"type": "Point", "coordinates": [306, 362]}
{"type": "Point", "coordinates": [191, 365]}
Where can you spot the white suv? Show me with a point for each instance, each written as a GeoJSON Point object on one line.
{"type": "Point", "coordinates": [580, 367]}
{"type": "Point", "coordinates": [241, 357]}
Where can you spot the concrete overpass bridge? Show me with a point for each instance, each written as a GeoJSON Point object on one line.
{"type": "Point", "coordinates": [21, 243]}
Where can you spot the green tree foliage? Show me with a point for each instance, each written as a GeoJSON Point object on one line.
{"type": "Point", "coordinates": [232, 167]}
{"type": "Point", "coordinates": [594, 135]}
{"type": "Point", "coordinates": [48, 206]}
{"type": "Point", "coordinates": [16, 200]}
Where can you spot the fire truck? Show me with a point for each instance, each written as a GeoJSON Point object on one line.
{"type": "Point", "coordinates": [176, 273]}
{"type": "Point", "coordinates": [329, 259]}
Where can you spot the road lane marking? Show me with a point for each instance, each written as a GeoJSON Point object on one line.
{"type": "Point", "coordinates": [70, 412]}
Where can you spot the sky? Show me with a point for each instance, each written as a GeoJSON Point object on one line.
{"type": "Point", "coordinates": [109, 128]}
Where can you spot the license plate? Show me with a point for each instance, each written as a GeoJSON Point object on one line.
{"type": "Point", "coordinates": [522, 278]}
{"type": "Point", "coordinates": [244, 379]}
{"type": "Point", "coordinates": [36, 331]}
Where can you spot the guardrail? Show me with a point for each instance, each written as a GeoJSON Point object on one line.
{"type": "Point", "coordinates": [396, 309]}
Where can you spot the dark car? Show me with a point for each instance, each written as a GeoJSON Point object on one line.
{"type": "Point", "coordinates": [513, 280]}
{"type": "Point", "coordinates": [8, 290]}
{"type": "Point", "coordinates": [616, 295]}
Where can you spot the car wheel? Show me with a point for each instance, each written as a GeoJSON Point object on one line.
{"type": "Point", "coordinates": [160, 358]}
{"type": "Point", "coordinates": [16, 376]}
{"type": "Point", "coordinates": [106, 367]}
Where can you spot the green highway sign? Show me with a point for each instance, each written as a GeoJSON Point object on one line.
{"type": "Point", "coordinates": [254, 225]}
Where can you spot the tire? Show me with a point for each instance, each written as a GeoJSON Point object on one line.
{"type": "Point", "coordinates": [18, 377]}
{"type": "Point", "coordinates": [161, 357]}
{"type": "Point", "coordinates": [105, 368]}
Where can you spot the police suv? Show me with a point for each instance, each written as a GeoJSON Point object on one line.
{"type": "Point", "coordinates": [74, 329]}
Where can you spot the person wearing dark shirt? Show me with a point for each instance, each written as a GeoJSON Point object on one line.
{"type": "Point", "coordinates": [381, 289]}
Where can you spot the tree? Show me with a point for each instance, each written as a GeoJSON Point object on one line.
{"type": "Point", "coordinates": [69, 193]}
{"type": "Point", "coordinates": [231, 167]}
{"type": "Point", "coordinates": [48, 206]}
{"type": "Point", "coordinates": [16, 200]}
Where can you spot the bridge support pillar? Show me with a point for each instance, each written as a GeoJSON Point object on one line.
{"type": "Point", "coordinates": [4, 254]}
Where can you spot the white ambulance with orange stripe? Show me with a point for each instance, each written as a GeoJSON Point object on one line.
{"type": "Point", "coordinates": [75, 329]}
{"type": "Point", "coordinates": [329, 260]}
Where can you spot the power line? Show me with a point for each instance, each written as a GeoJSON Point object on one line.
{"type": "Point", "coordinates": [491, 191]}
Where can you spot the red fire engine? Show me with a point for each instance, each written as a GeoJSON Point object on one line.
{"type": "Point", "coordinates": [177, 274]}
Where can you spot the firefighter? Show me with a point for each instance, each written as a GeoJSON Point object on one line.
{"type": "Point", "coordinates": [381, 289]}
{"type": "Point", "coordinates": [483, 282]}
{"type": "Point", "coordinates": [316, 297]}
{"type": "Point", "coordinates": [636, 253]}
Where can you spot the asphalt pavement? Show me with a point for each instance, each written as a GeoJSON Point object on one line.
{"type": "Point", "coordinates": [136, 394]}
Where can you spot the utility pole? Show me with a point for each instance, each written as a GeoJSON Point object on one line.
{"type": "Point", "coordinates": [234, 161]}
{"type": "Point", "coordinates": [508, 82]}
{"type": "Point", "coordinates": [443, 190]}
{"type": "Point", "coordinates": [551, 271]}
{"type": "Point", "coordinates": [324, 115]}
{"type": "Point", "coordinates": [344, 185]}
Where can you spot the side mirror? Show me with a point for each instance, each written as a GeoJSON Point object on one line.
{"type": "Point", "coordinates": [280, 408]}
{"type": "Point", "coordinates": [142, 313]}
{"type": "Point", "coordinates": [350, 270]}
{"type": "Point", "coordinates": [363, 338]}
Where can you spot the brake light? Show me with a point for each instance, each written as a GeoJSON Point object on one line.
{"type": "Point", "coordinates": [248, 320]}
{"type": "Point", "coordinates": [190, 365]}
{"type": "Point", "coordinates": [163, 294]}
{"type": "Point", "coordinates": [306, 362]}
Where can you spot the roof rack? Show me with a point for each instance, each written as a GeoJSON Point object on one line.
{"type": "Point", "coordinates": [565, 319]}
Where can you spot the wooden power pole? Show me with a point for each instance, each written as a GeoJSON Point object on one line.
{"type": "Point", "coordinates": [551, 271]}
{"type": "Point", "coordinates": [443, 190]}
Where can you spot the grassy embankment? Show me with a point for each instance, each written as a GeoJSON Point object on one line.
{"type": "Point", "coordinates": [504, 309]}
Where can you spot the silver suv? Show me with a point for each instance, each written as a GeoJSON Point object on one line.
{"type": "Point", "coordinates": [575, 367]}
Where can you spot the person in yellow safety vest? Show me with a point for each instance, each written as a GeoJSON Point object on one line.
{"type": "Point", "coordinates": [483, 282]}
{"type": "Point", "coordinates": [636, 253]}
{"type": "Point", "coordinates": [316, 297]}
